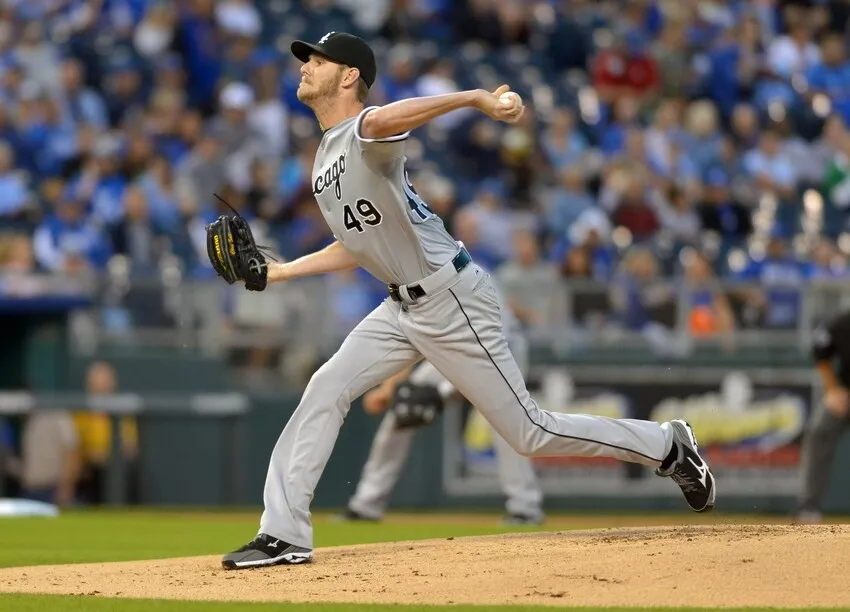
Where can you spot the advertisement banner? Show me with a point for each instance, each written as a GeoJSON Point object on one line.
{"type": "Point", "coordinates": [749, 425]}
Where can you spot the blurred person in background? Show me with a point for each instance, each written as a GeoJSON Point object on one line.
{"type": "Point", "coordinates": [123, 88]}
{"type": "Point", "coordinates": [591, 231]}
{"type": "Point", "coordinates": [94, 431]}
{"type": "Point", "coordinates": [38, 56]}
{"type": "Point", "coordinates": [771, 169]}
{"type": "Point", "coordinates": [735, 65]}
{"type": "Point", "coordinates": [156, 32]}
{"type": "Point", "coordinates": [68, 241]}
{"type": "Point", "coordinates": [49, 464]}
{"type": "Point", "coordinates": [625, 71]}
{"type": "Point", "coordinates": [710, 312]}
{"type": "Point", "coordinates": [831, 415]}
{"type": "Point", "coordinates": [200, 42]}
{"type": "Point", "coordinates": [826, 261]}
{"type": "Point", "coordinates": [679, 219]}
{"type": "Point", "coordinates": [702, 140]}
{"type": "Point", "coordinates": [563, 145]}
{"type": "Point", "coordinates": [18, 267]}
{"type": "Point", "coordinates": [8, 461]}
{"type": "Point", "coordinates": [629, 200]}
{"type": "Point", "coordinates": [568, 200]}
{"type": "Point", "coordinates": [671, 54]}
{"type": "Point", "coordinates": [613, 131]}
{"type": "Point", "coordinates": [836, 178]}
{"type": "Point", "coordinates": [644, 301]}
{"type": "Point", "coordinates": [495, 221]}
{"type": "Point", "coordinates": [16, 205]}
{"type": "Point", "coordinates": [830, 75]}
{"type": "Point", "coordinates": [242, 142]}
{"type": "Point", "coordinates": [240, 24]}
{"type": "Point", "coordinates": [528, 282]}
{"type": "Point", "coordinates": [137, 235]}
{"type": "Point", "coordinates": [81, 103]}
{"type": "Point", "coordinates": [780, 280]}
{"type": "Point", "coordinates": [663, 138]}
{"type": "Point", "coordinates": [269, 117]}
{"type": "Point", "coordinates": [789, 57]}
{"type": "Point", "coordinates": [745, 127]}
{"type": "Point", "coordinates": [719, 210]}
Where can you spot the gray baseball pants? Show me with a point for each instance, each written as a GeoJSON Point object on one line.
{"type": "Point", "coordinates": [458, 329]}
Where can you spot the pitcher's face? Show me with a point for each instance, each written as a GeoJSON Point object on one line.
{"type": "Point", "coordinates": [320, 79]}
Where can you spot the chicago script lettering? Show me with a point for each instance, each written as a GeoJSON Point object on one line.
{"type": "Point", "coordinates": [331, 176]}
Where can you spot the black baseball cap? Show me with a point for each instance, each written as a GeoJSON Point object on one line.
{"type": "Point", "coordinates": [341, 48]}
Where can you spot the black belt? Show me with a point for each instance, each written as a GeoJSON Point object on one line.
{"type": "Point", "coordinates": [460, 261]}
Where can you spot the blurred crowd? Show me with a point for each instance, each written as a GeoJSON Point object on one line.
{"type": "Point", "coordinates": [664, 139]}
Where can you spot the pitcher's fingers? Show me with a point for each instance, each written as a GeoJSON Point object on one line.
{"type": "Point", "coordinates": [501, 89]}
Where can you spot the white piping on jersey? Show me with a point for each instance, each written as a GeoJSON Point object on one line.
{"type": "Point", "coordinates": [396, 138]}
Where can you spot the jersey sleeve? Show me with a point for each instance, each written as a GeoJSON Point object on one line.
{"type": "Point", "coordinates": [823, 342]}
{"type": "Point", "coordinates": [390, 146]}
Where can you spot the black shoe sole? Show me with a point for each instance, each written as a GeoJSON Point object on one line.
{"type": "Point", "coordinates": [288, 559]}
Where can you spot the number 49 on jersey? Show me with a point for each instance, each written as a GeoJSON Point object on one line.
{"type": "Point", "coordinates": [364, 212]}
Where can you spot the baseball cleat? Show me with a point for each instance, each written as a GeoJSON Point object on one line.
{"type": "Point", "coordinates": [264, 551]}
{"type": "Point", "coordinates": [353, 516]}
{"type": "Point", "coordinates": [522, 519]}
{"type": "Point", "coordinates": [808, 517]}
{"type": "Point", "coordinates": [689, 470]}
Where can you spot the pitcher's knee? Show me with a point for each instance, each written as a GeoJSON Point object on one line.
{"type": "Point", "coordinates": [325, 388]}
{"type": "Point", "coordinates": [525, 443]}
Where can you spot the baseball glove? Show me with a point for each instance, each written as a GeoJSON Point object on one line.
{"type": "Point", "coordinates": [415, 405]}
{"type": "Point", "coordinates": [234, 254]}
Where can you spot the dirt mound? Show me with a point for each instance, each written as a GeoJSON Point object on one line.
{"type": "Point", "coordinates": [711, 566]}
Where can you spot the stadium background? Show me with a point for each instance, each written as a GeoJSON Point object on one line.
{"type": "Point", "coordinates": [669, 221]}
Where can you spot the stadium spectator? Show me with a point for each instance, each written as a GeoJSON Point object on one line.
{"type": "Point", "coordinates": [710, 311]}
{"type": "Point", "coordinates": [50, 457]}
{"type": "Point", "coordinates": [15, 199]}
{"type": "Point", "coordinates": [69, 240]}
{"type": "Point", "coordinates": [528, 283]}
{"type": "Point", "coordinates": [568, 201]}
{"type": "Point", "coordinates": [94, 430]}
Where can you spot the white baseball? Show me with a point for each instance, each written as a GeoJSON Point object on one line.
{"type": "Point", "coordinates": [510, 98]}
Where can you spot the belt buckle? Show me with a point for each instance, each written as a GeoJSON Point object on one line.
{"type": "Point", "coordinates": [394, 292]}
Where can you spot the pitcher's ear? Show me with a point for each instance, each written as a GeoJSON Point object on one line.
{"type": "Point", "coordinates": [352, 75]}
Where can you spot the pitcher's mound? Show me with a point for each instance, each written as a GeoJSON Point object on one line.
{"type": "Point", "coordinates": [724, 565]}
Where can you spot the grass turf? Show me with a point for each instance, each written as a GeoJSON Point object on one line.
{"type": "Point", "coordinates": [51, 603]}
{"type": "Point", "coordinates": [89, 537]}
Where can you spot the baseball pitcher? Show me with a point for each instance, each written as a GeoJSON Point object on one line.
{"type": "Point", "coordinates": [441, 305]}
{"type": "Point", "coordinates": [412, 400]}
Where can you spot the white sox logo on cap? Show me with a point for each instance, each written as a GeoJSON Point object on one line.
{"type": "Point", "coordinates": [325, 38]}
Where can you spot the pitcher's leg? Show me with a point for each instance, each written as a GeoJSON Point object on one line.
{"type": "Point", "coordinates": [389, 452]}
{"type": "Point", "coordinates": [375, 350]}
{"type": "Point", "coordinates": [519, 482]}
{"type": "Point", "coordinates": [460, 332]}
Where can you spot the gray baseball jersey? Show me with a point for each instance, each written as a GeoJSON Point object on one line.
{"type": "Point", "coordinates": [456, 325]}
{"type": "Point", "coordinates": [362, 185]}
